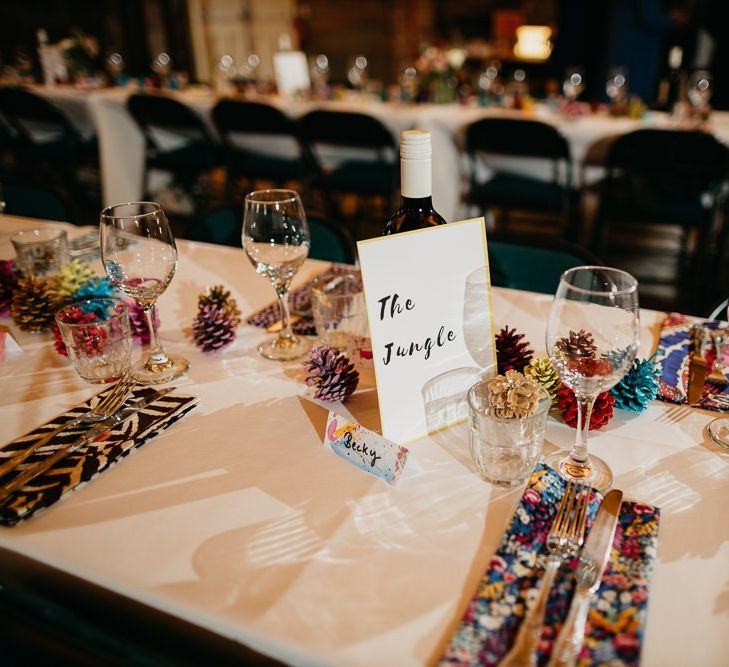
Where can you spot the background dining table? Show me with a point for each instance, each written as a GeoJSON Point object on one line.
{"type": "Point", "coordinates": [121, 143]}
{"type": "Point", "coordinates": [237, 520]}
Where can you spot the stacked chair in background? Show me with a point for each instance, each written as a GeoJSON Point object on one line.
{"type": "Point", "coordinates": [669, 177]}
{"type": "Point", "coordinates": [178, 142]}
{"type": "Point", "coordinates": [505, 191]}
{"type": "Point", "coordinates": [45, 159]}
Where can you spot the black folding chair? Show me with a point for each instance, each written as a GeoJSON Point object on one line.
{"type": "Point", "coordinates": [245, 126]}
{"type": "Point", "coordinates": [45, 146]}
{"type": "Point", "coordinates": [506, 191]}
{"type": "Point", "coordinates": [373, 174]}
{"type": "Point", "coordinates": [672, 177]}
{"type": "Point", "coordinates": [193, 151]}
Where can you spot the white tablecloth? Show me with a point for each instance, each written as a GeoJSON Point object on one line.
{"type": "Point", "coordinates": [238, 520]}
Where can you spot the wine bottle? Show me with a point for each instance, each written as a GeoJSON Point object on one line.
{"type": "Point", "coordinates": [416, 202]}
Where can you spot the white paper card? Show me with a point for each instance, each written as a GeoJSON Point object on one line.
{"type": "Point", "coordinates": [365, 449]}
{"type": "Point", "coordinates": [429, 309]}
{"type": "Point", "coordinates": [292, 72]}
{"type": "Point", "coordinates": [8, 344]}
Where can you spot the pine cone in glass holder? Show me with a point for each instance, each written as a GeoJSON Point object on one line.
{"type": "Point", "coordinates": [578, 344]}
{"type": "Point", "coordinates": [513, 396]}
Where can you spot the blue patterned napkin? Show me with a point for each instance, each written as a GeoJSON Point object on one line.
{"type": "Point", "coordinates": [616, 621]}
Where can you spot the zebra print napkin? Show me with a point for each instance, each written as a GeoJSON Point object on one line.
{"type": "Point", "coordinates": [90, 460]}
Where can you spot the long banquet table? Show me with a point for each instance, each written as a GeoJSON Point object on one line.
{"type": "Point", "coordinates": [239, 522]}
{"type": "Point", "coordinates": [121, 143]}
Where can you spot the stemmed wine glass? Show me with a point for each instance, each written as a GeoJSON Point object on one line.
{"type": "Point", "coordinates": [574, 83]}
{"type": "Point", "coordinates": [276, 241]}
{"type": "Point", "coordinates": [616, 85]}
{"type": "Point", "coordinates": [699, 90]}
{"type": "Point", "coordinates": [719, 427]}
{"type": "Point", "coordinates": [140, 257]}
{"type": "Point", "coordinates": [592, 338]}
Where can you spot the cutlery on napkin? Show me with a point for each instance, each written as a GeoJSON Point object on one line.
{"type": "Point", "coordinates": [593, 561]}
{"type": "Point", "coordinates": [90, 459]}
{"type": "Point", "coordinates": [99, 429]}
{"type": "Point", "coordinates": [618, 609]}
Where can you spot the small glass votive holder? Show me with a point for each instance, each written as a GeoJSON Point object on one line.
{"type": "Point", "coordinates": [339, 311]}
{"type": "Point", "coordinates": [504, 451]}
{"type": "Point", "coordinates": [40, 251]}
{"type": "Point", "coordinates": [98, 338]}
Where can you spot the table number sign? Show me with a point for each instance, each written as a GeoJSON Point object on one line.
{"type": "Point", "coordinates": [365, 449]}
{"type": "Point", "coordinates": [424, 290]}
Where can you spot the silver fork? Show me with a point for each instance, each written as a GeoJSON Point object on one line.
{"type": "Point", "coordinates": [105, 408]}
{"type": "Point", "coordinates": [564, 540]}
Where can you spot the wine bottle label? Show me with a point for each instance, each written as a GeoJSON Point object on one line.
{"type": "Point", "coordinates": [416, 178]}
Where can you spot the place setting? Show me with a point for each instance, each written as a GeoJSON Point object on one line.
{"type": "Point", "coordinates": [569, 580]}
{"type": "Point", "coordinates": [97, 330]}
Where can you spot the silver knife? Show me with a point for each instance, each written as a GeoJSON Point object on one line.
{"type": "Point", "coordinates": [31, 472]}
{"type": "Point", "coordinates": [593, 561]}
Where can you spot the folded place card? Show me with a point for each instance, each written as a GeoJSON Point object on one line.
{"type": "Point", "coordinates": [365, 449]}
{"type": "Point", "coordinates": [89, 460]}
{"type": "Point", "coordinates": [8, 344]}
{"type": "Point", "coordinates": [618, 610]}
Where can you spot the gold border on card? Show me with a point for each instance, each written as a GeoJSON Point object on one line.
{"type": "Point", "coordinates": [381, 239]}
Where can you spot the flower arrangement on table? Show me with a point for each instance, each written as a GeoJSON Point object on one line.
{"type": "Point", "coordinates": [80, 52]}
{"type": "Point", "coordinates": [438, 82]}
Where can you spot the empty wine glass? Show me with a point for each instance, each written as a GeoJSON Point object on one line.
{"type": "Point", "coordinates": [140, 258]}
{"type": "Point", "coordinates": [700, 89]}
{"type": "Point", "coordinates": [574, 83]}
{"type": "Point", "coordinates": [593, 335]}
{"type": "Point", "coordinates": [319, 70]}
{"type": "Point", "coordinates": [162, 67]}
{"type": "Point", "coordinates": [115, 67]}
{"type": "Point", "coordinates": [409, 81]}
{"type": "Point", "coordinates": [357, 73]}
{"type": "Point", "coordinates": [276, 241]}
{"type": "Point", "coordinates": [616, 85]}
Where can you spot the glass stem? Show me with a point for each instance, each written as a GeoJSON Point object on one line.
{"type": "Point", "coordinates": [578, 463]}
{"type": "Point", "coordinates": [283, 303]}
{"type": "Point", "coordinates": [157, 355]}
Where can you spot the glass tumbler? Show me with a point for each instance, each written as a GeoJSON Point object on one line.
{"type": "Point", "coordinates": [40, 251]}
{"type": "Point", "coordinates": [339, 311]}
{"type": "Point", "coordinates": [98, 338]}
{"type": "Point", "coordinates": [504, 451]}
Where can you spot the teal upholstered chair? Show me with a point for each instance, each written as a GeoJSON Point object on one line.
{"type": "Point", "coordinates": [329, 242]}
{"type": "Point", "coordinates": [535, 266]}
{"type": "Point", "coordinates": [34, 202]}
